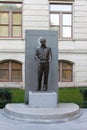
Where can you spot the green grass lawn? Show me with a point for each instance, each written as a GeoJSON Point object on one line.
{"type": "Point", "coordinates": [17, 95]}
{"type": "Point", "coordinates": [70, 95]}
{"type": "Point", "coordinates": [65, 95]}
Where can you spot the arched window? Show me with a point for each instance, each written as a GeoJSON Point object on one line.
{"type": "Point", "coordinates": [65, 71]}
{"type": "Point", "coordinates": [10, 71]}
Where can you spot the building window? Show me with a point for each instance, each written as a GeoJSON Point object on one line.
{"type": "Point", "coordinates": [10, 71]}
{"type": "Point", "coordinates": [61, 19]}
{"type": "Point", "coordinates": [65, 71]}
{"type": "Point", "coordinates": [10, 20]}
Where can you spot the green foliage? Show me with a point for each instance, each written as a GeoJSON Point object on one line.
{"type": "Point", "coordinates": [11, 95]}
{"type": "Point", "coordinates": [65, 95]}
{"type": "Point", "coordinates": [5, 97]}
{"type": "Point", "coordinates": [83, 91]}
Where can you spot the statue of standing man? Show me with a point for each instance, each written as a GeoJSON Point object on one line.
{"type": "Point", "coordinates": [43, 55]}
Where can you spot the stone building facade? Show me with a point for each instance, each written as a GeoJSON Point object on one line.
{"type": "Point", "coordinates": [69, 17]}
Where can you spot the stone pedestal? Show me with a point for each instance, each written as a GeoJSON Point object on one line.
{"type": "Point", "coordinates": [42, 99]}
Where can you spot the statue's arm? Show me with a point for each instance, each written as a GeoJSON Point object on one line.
{"type": "Point", "coordinates": [50, 55]}
{"type": "Point", "coordinates": [36, 55]}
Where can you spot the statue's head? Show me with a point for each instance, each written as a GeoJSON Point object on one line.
{"type": "Point", "coordinates": [43, 41]}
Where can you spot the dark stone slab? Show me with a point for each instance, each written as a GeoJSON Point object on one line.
{"type": "Point", "coordinates": [31, 43]}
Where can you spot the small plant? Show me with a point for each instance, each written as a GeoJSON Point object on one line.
{"type": "Point", "coordinates": [84, 95]}
{"type": "Point", "coordinates": [5, 97]}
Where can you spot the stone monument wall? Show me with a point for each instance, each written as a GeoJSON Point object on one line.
{"type": "Point", "coordinates": [31, 39]}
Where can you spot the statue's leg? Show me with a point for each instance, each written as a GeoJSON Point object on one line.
{"type": "Point", "coordinates": [46, 73]}
{"type": "Point", "coordinates": [40, 73]}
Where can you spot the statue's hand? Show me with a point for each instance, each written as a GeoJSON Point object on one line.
{"type": "Point", "coordinates": [50, 60]}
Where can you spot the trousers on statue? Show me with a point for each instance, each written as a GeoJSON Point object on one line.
{"type": "Point", "coordinates": [43, 70]}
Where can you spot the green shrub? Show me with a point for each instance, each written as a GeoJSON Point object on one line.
{"type": "Point", "coordinates": [84, 95]}
{"type": "Point", "coordinates": [5, 97]}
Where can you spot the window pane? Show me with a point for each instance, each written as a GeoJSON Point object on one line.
{"type": "Point", "coordinates": [66, 19]}
{"type": "Point", "coordinates": [60, 7]}
{"type": "Point", "coordinates": [54, 28]}
{"type": "Point", "coordinates": [10, 6]}
{"type": "Point", "coordinates": [4, 18]}
{"type": "Point", "coordinates": [15, 6]}
{"type": "Point", "coordinates": [16, 75]}
{"type": "Point", "coordinates": [17, 18]}
{"type": "Point", "coordinates": [4, 71]}
{"type": "Point", "coordinates": [66, 66]}
{"type": "Point", "coordinates": [16, 31]}
{"type": "Point", "coordinates": [65, 71]}
{"type": "Point", "coordinates": [3, 6]}
{"type": "Point", "coordinates": [3, 75]}
{"type": "Point", "coordinates": [67, 75]}
{"type": "Point", "coordinates": [54, 19]}
{"type": "Point", "coordinates": [4, 66]}
{"type": "Point", "coordinates": [3, 30]}
{"type": "Point", "coordinates": [66, 31]}
{"type": "Point", "coordinates": [16, 71]}
{"type": "Point", "coordinates": [16, 66]}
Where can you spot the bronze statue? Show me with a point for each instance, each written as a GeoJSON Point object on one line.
{"type": "Point", "coordinates": [43, 55]}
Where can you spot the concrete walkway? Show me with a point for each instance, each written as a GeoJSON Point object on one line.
{"type": "Point", "coordinates": [77, 124]}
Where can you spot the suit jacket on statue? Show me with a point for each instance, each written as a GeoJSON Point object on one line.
{"type": "Point", "coordinates": [43, 54]}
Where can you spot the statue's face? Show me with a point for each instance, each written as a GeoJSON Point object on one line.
{"type": "Point", "coordinates": [43, 41]}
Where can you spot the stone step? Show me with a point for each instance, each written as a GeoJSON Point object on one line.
{"type": "Point", "coordinates": [64, 112]}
